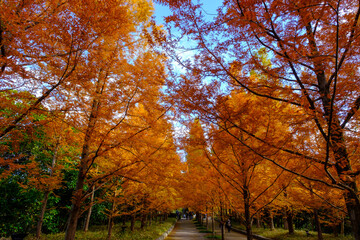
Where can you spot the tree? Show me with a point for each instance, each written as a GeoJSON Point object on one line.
{"type": "Point", "coordinates": [313, 48]}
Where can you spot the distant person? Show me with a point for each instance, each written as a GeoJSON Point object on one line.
{"type": "Point", "coordinates": [228, 225]}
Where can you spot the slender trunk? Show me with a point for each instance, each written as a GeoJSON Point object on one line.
{"type": "Point", "coordinates": [207, 221]}
{"type": "Point", "coordinates": [132, 223]}
{"type": "Point", "coordinates": [42, 214]}
{"type": "Point", "coordinates": [87, 221]}
{"type": "Point", "coordinates": [111, 222]}
{"type": "Point", "coordinates": [222, 222]}
{"type": "Point", "coordinates": [212, 223]}
{"type": "Point", "coordinates": [110, 227]}
{"type": "Point", "coordinates": [258, 220]}
{"type": "Point", "coordinates": [47, 193]}
{"type": "Point", "coordinates": [272, 226]}
{"type": "Point", "coordinates": [342, 227]}
{"type": "Point", "coordinates": [143, 221]}
{"type": "Point", "coordinates": [318, 225]}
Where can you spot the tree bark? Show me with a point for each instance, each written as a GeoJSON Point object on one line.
{"type": "Point", "coordinates": [85, 164]}
{"type": "Point", "coordinates": [87, 221]}
{"type": "Point", "coordinates": [336, 139]}
{"type": "Point", "coordinates": [318, 225]}
{"type": "Point", "coordinates": [47, 193]}
{"type": "Point", "coordinates": [143, 221]}
{"type": "Point", "coordinates": [289, 220]}
{"type": "Point", "coordinates": [246, 197]}
{"type": "Point", "coordinates": [132, 223]}
{"type": "Point", "coordinates": [272, 226]}
{"type": "Point", "coordinates": [42, 214]}
{"type": "Point", "coordinates": [212, 223]}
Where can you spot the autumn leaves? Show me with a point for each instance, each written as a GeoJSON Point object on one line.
{"type": "Point", "coordinates": [273, 87]}
{"type": "Point", "coordinates": [82, 81]}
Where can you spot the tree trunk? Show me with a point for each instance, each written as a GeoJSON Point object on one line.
{"type": "Point", "coordinates": [318, 225]}
{"type": "Point", "coordinates": [83, 168]}
{"type": "Point", "coordinates": [336, 139]}
{"type": "Point", "coordinates": [143, 221]}
{"type": "Point", "coordinates": [342, 227]}
{"type": "Point", "coordinates": [286, 225]}
{"type": "Point", "coordinates": [246, 196]}
{"type": "Point", "coordinates": [272, 226]}
{"type": "Point", "coordinates": [212, 223]}
{"type": "Point", "coordinates": [353, 208]}
{"type": "Point", "coordinates": [207, 221]}
{"type": "Point", "coordinates": [110, 227]}
{"type": "Point", "coordinates": [47, 193]}
{"type": "Point", "coordinates": [289, 220]}
{"type": "Point", "coordinates": [258, 220]}
{"type": "Point", "coordinates": [111, 222]}
{"type": "Point", "coordinates": [42, 214]}
{"type": "Point", "coordinates": [87, 221]}
{"type": "Point", "coordinates": [132, 223]}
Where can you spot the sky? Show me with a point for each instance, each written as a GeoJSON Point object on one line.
{"type": "Point", "coordinates": [209, 6]}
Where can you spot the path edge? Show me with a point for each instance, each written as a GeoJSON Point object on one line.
{"type": "Point", "coordinates": [162, 237]}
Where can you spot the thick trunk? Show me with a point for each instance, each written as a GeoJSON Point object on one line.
{"type": "Point", "coordinates": [289, 220]}
{"type": "Point", "coordinates": [248, 221]}
{"type": "Point", "coordinates": [353, 208]}
{"type": "Point", "coordinates": [85, 164]}
{"type": "Point", "coordinates": [336, 137]}
{"type": "Point", "coordinates": [88, 216]}
{"type": "Point", "coordinates": [318, 225]}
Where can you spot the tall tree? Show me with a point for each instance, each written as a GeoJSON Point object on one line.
{"type": "Point", "coordinates": [314, 51]}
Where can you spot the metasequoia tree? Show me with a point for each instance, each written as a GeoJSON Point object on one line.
{"type": "Point", "coordinates": [120, 74]}
{"type": "Point", "coordinates": [42, 43]}
{"type": "Point", "coordinates": [237, 157]}
{"type": "Point", "coordinates": [314, 53]}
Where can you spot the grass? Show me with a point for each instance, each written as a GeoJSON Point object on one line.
{"type": "Point", "coordinates": [282, 234]}
{"type": "Point", "coordinates": [100, 232]}
{"type": "Point", "coordinates": [213, 237]}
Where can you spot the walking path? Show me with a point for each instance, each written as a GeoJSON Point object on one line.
{"type": "Point", "coordinates": [186, 230]}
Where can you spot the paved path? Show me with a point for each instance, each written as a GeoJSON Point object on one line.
{"type": "Point", "coordinates": [229, 235]}
{"type": "Point", "coordinates": [186, 230]}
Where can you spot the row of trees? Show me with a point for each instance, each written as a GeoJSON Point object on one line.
{"type": "Point", "coordinates": [276, 85]}
{"type": "Point", "coordinates": [81, 121]}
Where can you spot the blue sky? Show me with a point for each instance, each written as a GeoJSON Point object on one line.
{"type": "Point", "coordinates": [209, 6]}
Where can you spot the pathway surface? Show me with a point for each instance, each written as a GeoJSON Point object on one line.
{"type": "Point", "coordinates": [186, 230]}
{"type": "Point", "coordinates": [228, 235]}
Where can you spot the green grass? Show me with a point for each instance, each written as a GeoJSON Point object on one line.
{"type": "Point", "coordinates": [100, 232]}
{"type": "Point", "coordinates": [213, 237]}
{"type": "Point", "coordinates": [282, 234]}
